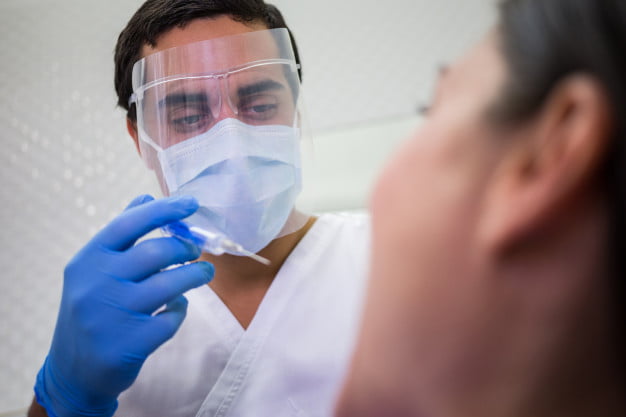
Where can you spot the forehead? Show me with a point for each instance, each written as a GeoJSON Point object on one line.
{"type": "Point", "coordinates": [225, 50]}
{"type": "Point", "coordinates": [201, 30]}
{"type": "Point", "coordinates": [469, 88]}
{"type": "Point", "coordinates": [481, 70]}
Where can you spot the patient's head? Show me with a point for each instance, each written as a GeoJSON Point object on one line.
{"type": "Point", "coordinates": [496, 282]}
{"type": "Point", "coordinates": [544, 43]}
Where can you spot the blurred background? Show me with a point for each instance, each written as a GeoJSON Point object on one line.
{"type": "Point", "coordinates": [68, 166]}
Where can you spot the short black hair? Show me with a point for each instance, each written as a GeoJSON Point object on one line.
{"type": "Point", "coordinates": [156, 17]}
{"type": "Point", "coordinates": [542, 43]}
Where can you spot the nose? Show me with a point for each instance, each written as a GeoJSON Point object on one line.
{"type": "Point", "coordinates": [225, 108]}
{"type": "Point", "coordinates": [225, 112]}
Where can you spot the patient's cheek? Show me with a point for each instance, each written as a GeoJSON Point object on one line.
{"type": "Point", "coordinates": [395, 186]}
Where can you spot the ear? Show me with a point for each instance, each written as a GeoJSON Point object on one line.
{"type": "Point", "coordinates": [552, 162]}
{"type": "Point", "coordinates": [131, 126]}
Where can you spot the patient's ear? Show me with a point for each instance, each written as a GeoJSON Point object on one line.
{"type": "Point", "coordinates": [552, 162]}
{"type": "Point", "coordinates": [131, 126]}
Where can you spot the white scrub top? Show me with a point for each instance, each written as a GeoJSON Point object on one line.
{"type": "Point", "coordinates": [292, 358]}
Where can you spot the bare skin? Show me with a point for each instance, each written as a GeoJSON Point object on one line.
{"type": "Point", "coordinates": [241, 283]}
{"type": "Point", "coordinates": [489, 293]}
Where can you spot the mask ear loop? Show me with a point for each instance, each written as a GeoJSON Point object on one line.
{"type": "Point", "coordinates": [150, 152]}
{"type": "Point", "coordinates": [143, 136]}
{"type": "Point", "coordinates": [299, 216]}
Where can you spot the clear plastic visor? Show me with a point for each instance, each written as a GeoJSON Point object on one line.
{"type": "Point", "coordinates": [183, 92]}
{"type": "Point", "coordinates": [222, 120]}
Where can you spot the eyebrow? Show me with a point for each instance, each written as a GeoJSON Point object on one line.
{"type": "Point", "coordinates": [260, 87]}
{"type": "Point", "coordinates": [246, 90]}
{"type": "Point", "coordinates": [183, 98]}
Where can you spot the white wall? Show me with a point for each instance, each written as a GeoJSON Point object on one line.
{"type": "Point", "coordinates": [67, 165]}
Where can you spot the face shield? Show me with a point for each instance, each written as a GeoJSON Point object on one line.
{"type": "Point", "coordinates": [220, 120]}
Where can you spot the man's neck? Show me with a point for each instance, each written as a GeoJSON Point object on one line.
{"type": "Point", "coordinates": [242, 282]}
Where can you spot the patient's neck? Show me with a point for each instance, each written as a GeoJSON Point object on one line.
{"type": "Point", "coordinates": [572, 367]}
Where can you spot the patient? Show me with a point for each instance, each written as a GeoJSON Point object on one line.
{"type": "Point", "coordinates": [497, 285]}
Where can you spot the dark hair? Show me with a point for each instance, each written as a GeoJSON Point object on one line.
{"type": "Point", "coordinates": [156, 17]}
{"type": "Point", "coordinates": [543, 42]}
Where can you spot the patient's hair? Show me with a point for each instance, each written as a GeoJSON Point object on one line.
{"type": "Point", "coordinates": [156, 17]}
{"type": "Point", "coordinates": [544, 41]}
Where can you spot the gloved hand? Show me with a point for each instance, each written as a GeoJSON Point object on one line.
{"type": "Point", "coordinates": [106, 326]}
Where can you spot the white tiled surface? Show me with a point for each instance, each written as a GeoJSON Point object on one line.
{"type": "Point", "coordinates": [67, 165]}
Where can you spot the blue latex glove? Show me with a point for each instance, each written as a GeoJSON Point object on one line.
{"type": "Point", "coordinates": [106, 327]}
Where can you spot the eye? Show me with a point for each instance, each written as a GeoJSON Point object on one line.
{"type": "Point", "coordinates": [189, 119]}
{"type": "Point", "coordinates": [259, 108]}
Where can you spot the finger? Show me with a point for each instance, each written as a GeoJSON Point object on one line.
{"type": "Point", "coordinates": [125, 229]}
{"type": "Point", "coordinates": [160, 328]}
{"type": "Point", "coordinates": [151, 256]}
{"type": "Point", "coordinates": [165, 286]}
{"type": "Point", "coordinates": [137, 201]}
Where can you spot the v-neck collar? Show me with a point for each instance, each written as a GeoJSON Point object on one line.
{"type": "Point", "coordinates": [252, 339]}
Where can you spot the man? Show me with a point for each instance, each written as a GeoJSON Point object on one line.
{"type": "Point", "coordinates": [212, 92]}
{"type": "Point", "coordinates": [497, 283]}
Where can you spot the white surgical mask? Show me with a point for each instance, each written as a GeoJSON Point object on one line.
{"type": "Point", "coordinates": [246, 179]}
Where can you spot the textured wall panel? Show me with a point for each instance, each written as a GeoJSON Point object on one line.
{"type": "Point", "coordinates": [67, 165]}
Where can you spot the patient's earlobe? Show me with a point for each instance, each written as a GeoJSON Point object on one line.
{"type": "Point", "coordinates": [553, 164]}
{"type": "Point", "coordinates": [131, 127]}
